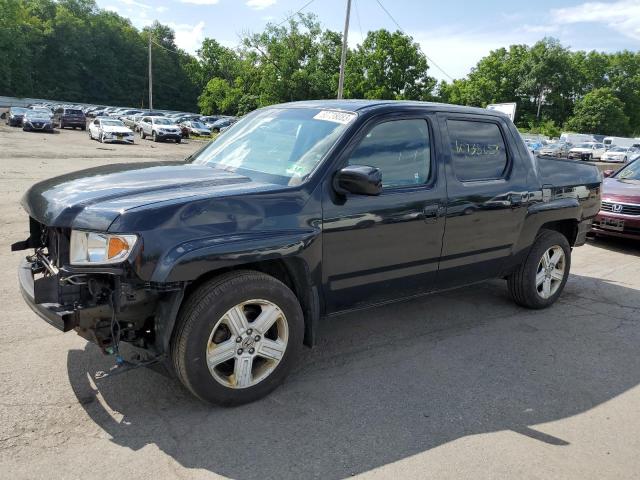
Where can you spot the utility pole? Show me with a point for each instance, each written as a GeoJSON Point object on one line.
{"type": "Point", "coordinates": [343, 58]}
{"type": "Point", "coordinates": [150, 76]}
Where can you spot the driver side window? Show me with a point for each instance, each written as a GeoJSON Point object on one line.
{"type": "Point", "coordinates": [400, 149]}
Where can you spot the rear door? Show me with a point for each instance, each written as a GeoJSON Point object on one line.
{"type": "Point", "coordinates": [487, 187]}
{"type": "Point", "coordinates": [380, 248]}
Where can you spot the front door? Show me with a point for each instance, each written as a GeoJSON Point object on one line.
{"type": "Point", "coordinates": [378, 248]}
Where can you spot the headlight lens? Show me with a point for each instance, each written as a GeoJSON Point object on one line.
{"type": "Point", "coordinates": [95, 248]}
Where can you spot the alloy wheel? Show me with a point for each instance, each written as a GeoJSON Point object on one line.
{"type": "Point", "coordinates": [550, 273]}
{"type": "Point", "coordinates": [247, 343]}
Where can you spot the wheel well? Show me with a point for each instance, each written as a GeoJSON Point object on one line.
{"type": "Point", "coordinates": [293, 273]}
{"type": "Point", "coordinates": [568, 228]}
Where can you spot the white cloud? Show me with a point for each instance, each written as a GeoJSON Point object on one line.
{"type": "Point", "coordinates": [161, 9]}
{"type": "Point", "coordinates": [201, 2]}
{"type": "Point", "coordinates": [260, 4]}
{"type": "Point", "coordinates": [112, 8]}
{"type": "Point", "coordinates": [623, 16]}
{"type": "Point", "coordinates": [188, 37]}
{"type": "Point", "coordinates": [134, 3]}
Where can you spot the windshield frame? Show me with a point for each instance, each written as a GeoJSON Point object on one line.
{"type": "Point", "coordinates": [346, 132]}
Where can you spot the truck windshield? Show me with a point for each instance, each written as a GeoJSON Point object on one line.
{"type": "Point", "coordinates": [283, 144]}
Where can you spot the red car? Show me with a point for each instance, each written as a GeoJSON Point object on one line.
{"type": "Point", "coordinates": [620, 212]}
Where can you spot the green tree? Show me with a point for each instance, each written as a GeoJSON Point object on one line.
{"type": "Point", "coordinates": [600, 112]}
{"type": "Point", "coordinates": [388, 66]}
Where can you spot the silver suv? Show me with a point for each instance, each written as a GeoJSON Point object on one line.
{"type": "Point", "coordinates": [159, 128]}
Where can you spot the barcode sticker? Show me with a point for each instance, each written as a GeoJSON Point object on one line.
{"type": "Point", "coordinates": [333, 116]}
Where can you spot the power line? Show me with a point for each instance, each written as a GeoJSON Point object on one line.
{"type": "Point", "coordinates": [167, 49]}
{"type": "Point", "coordinates": [355, 4]}
{"type": "Point", "coordinates": [402, 30]}
{"type": "Point", "coordinates": [293, 15]}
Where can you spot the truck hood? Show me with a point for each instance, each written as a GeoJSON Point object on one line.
{"type": "Point", "coordinates": [94, 198]}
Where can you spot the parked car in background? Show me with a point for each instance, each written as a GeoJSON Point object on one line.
{"type": "Point", "coordinates": [619, 154]}
{"type": "Point", "coordinates": [576, 138]}
{"type": "Point", "coordinates": [36, 120]}
{"type": "Point", "coordinates": [610, 142]}
{"type": "Point", "coordinates": [209, 120]}
{"type": "Point", "coordinates": [44, 111]}
{"type": "Point", "coordinates": [110, 130]}
{"type": "Point", "coordinates": [64, 117]}
{"type": "Point", "coordinates": [15, 116]}
{"type": "Point", "coordinates": [159, 128]}
{"type": "Point", "coordinates": [587, 151]}
{"type": "Point", "coordinates": [218, 125]}
{"type": "Point", "coordinates": [225, 264]}
{"type": "Point", "coordinates": [557, 149]}
{"type": "Point", "coordinates": [197, 129]}
{"type": "Point", "coordinates": [620, 211]}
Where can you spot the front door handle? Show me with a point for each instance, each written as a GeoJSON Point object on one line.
{"type": "Point", "coordinates": [431, 213]}
{"type": "Point", "coordinates": [516, 200]}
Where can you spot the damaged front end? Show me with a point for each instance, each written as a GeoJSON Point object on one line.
{"type": "Point", "coordinates": [106, 304]}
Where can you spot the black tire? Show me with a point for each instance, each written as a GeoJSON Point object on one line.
{"type": "Point", "coordinates": [198, 317]}
{"type": "Point", "coordinates": [216, 130]}
{"type": "Point", "coordinates": [178, 140]}
{"type": "Point", "coordinates": [83, 128]}
{"type": "Point", "coordinates": [522, 282]}
{"type": "Point", "coordinates": [154, 136]}
{"type": "Point", "coordinates": [142, 134]}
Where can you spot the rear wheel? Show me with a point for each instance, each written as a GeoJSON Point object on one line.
{"type": "Point", "coordinates": [237, 337]}
{"type": "Point", "coordinates": [540, 279]}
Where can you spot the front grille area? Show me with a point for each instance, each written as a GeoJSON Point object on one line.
{"type": "Point", "coordinates": [626, 209]}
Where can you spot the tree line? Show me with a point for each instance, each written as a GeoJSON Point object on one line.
{"type": "Point", "coordinates": [72, 50]}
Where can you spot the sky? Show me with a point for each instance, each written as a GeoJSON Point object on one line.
{"type": "Point", "coordinates": [453, 34]}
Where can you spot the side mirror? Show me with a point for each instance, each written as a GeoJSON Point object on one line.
{"type": "Point", "coordinates": [608, 173]}
{"type": "Point", "coordinates": [358, 179]}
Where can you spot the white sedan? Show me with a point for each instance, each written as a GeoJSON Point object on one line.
{"type": "Point", "coordinates": [105, 129]}
{"type": "Point", "coordinates": [620, 154]}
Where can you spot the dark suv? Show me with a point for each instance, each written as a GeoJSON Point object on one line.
{"type": "Point", "coordinates": [15, 115]}
{"type": "Point", "coordinates": [69, 117]}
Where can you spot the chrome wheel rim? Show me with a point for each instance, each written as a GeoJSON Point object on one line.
{"type": "Point", "coordinates": [550, 273]}
{"type": "Point", "coordinates": [247, 343]}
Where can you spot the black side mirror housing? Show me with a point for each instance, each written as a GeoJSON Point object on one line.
{"type": "Point", "coordinates": [359, 180]}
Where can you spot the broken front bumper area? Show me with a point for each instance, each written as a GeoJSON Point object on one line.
{"type": "Point", "coordinates": [103, 305]}
{"type": "Point", "coordinates": [62, 317]}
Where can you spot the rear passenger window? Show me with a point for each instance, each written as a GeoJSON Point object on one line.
{"type": "Point", "coordinates": [477, 150]}
{"type": "Point", "coordinates": [400, 149]}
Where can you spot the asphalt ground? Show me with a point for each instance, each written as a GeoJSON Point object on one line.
{"type": "Point", "coordinates": [462, 384]}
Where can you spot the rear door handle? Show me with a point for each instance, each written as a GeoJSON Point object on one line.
{"type": "Point", "coordinates": [431, 213]}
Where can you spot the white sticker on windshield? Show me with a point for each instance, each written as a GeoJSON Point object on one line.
{"type": "Point", "coordinates": [333, 116]}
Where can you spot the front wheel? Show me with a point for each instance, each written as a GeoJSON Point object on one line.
{"type": "Point", "coordinates": [142, 134]}
{"type": "Point", "coordinates": [154, 136]}
{"type": "Point", "coordinates": [178, 140]}
{"type": "Point", "coordinates": [237, 337]}
{"type": "Point", "coordinates": [540, 279]}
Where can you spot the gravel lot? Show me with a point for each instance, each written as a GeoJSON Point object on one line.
{"type": "Point", "coordinates": [457, 385]}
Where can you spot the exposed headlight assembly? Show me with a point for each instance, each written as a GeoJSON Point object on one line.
{"type": "Point", "coordinates": [93, 248]}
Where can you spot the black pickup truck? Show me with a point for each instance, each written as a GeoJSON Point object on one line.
{"type": "Point", "coordinates": [223, 264]}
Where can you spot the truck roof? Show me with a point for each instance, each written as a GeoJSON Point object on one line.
{"type": "Point", "coordinates": [360, 105]}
